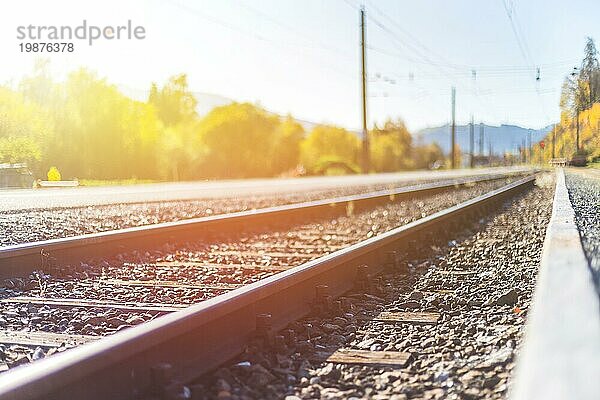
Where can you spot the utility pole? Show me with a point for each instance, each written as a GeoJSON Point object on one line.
{"type": "Point", "coordinates": [577, 136]}
{"type": "Point", "coordinates": [365, 143]}
{"type": "Point", "coordinates": [554, 141]}
{"type": "Point", "coordinates": [529, 148]}
{"type": "Point", "coordinates": [453, 130]}
{"type": "Point", "coordinates": [472, 142]}
{"type": "Point", "coordinates": [481, 139]}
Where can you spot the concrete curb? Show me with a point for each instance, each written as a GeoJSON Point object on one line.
{"type": "Point", "coordinates": [560, 358]}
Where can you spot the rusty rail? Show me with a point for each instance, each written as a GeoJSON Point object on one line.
{"type": "Point", "coordinates": [204, 336]}
{"type": "Point", "coordinates": [22, 259]}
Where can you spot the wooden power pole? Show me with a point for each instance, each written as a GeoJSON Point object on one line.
{"type": "Point", "coordinates": [577, 136]}
{"type": "Point", "coordinates": [554, 141]}
{"type": "Point", "coordinates": [365, 139]}
{"type": "Point", "coordinates": [453, 129]}
{"type": "Point", "coordinates": [472, 143]}
{"type": "Point", "coordinates": [529, 149]}
{"type": "Point", "coordinates": [481, 139]}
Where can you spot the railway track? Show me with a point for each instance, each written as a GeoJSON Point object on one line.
{"type": "Point", "coordinates": [20, 259]}
{"type": "Point", "coordinates": [196, 339]}
{"type": "Point", "coordinates": [105, 296]}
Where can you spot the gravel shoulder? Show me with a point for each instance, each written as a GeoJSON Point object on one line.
{"type": "Point", "coordinates": [23, 226]}
{"type": "Point", "coordinates": [42, 224]}
{"type": "Point", "coordinates": [584, 192]}
{"type": "Point", "coordinates": [20, 199]}
{"type": "Point", "coordinates": [480, 284]}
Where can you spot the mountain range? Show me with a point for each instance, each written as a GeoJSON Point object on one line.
{"type": "Point", "coordinates": [503, 138]}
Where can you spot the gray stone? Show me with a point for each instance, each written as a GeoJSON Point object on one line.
{"type": "Point", "coordinates": [508, 298]}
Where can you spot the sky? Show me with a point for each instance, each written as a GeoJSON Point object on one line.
{"type": "Point", "coordinates": [302, 56]}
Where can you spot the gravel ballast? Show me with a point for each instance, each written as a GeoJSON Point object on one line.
{"type": "Point", "coordinates": [480, 283]}
{"type": "Point", "coordinates": [584, 192]}
{"type": "Point", "coordinates": [42, 224]}
{"type": "Point", "coordinates": [90, 281]}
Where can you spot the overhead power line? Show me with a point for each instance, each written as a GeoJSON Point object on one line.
{"type": "Point", "coordinates": [252, 34]}
{"type": "Point", "coordinates": [509, 7]}
{"type": "Point", "coordinates": [511, 13]}
{"type": "Point", "coordinates": [403, 44]}
{"type": "Point", "coordinates": [319, 43]}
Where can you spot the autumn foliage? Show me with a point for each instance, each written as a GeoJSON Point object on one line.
{"type": "Point", "coordinates": [87, 128]}
{"type": "Point", "coordinates": [580, 106]}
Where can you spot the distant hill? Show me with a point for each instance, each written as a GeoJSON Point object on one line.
{"type": "Point", "coordinates": [503, 138]}
{"type": "Point", "coordinates": [206, 101]}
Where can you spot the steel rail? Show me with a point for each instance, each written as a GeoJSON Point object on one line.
{"type": "Point", "coordinates": [561, 353]}
{"type": "Point", "coordinates": [22, 259]}
{"type": "Point", "coordinates": [204, 336]}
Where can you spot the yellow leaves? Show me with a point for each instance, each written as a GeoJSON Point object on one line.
{"type": "Point", "coordinates": [565, 133]}
{"type": "Point", "coordinates": [330, 145]}
{"type": "Point", "coordinates": [429, 156]}
{"type": "Point", "coordinates": [239, 140]}
{"type": "Point", "coordinates": [19, 117]}
{"type": "Point", "coordinates": [89, 128]}
{"type": "Point", "coordinates": [15, 150]}
{"type": "Point", "coordinates": [22, 124]}
{"type": "Point", "coordinates": [174, 102]}
{"type": "Point", "coordinates": [391, 147]}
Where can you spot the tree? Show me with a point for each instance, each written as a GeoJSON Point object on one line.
{"type": "Point", "coordinates": [239, 141]}
{"type": "Point", "coordinates": [428, 156]}
{"type": "Point", "coordinates": [580, 96]}
{"type": "Point", "coordinates": [589, 75]}
{"type": "Point", "coordinates": [458, 154]}
{"type": "Point", "coordinates": [39, 87]}
{"type": "Point", "coordinates": [289, 135]}
{"type": "Point", "coordinates": [581, 90]}
{"type": "Point", "coordinates": [391, 147]}
{"type": "Point", "coordinates": [87, 128]}
{"type": "Point", "coordinates": [174, 102]}
{"type": "Point", "coordinates": [330, 146]}
{"type": "Point", "coordinates": [15, 150]}
{"type": "Point", "coordinates": [23, 129]}
{"type": "Point", "coordinates": [180, 152]}
{"type": "Point", "coordinates": [567, 96]}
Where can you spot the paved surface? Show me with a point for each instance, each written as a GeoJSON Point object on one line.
{"type": "Point", "coordinates": [22, 199]}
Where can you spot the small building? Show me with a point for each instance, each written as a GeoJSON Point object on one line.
{"type": "Point", "coordinates": [15, 176]}
{"type": "Point", "coordinates": [578, 160]}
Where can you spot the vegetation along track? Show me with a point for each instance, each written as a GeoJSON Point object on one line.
{"type": "Point", "coordinates": [249, 265]}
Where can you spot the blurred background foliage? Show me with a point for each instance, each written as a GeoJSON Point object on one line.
{"type": "Point", "coordinates": [580, 101]}
{"type": "Point", "coordinates": [88, 129]}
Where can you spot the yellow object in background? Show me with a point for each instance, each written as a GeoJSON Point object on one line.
{"type": "Point", "coordinates": [54, 174]}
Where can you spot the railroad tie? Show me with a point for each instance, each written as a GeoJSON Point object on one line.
{"type": "Point", "coordinates": [394, 359]}
{"type": "Point", "coordinates": [44, 339]}
{"type": "Point", "coordinates": [68, 302]}
{"type": "Point", "coordinates": [404, 317]}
